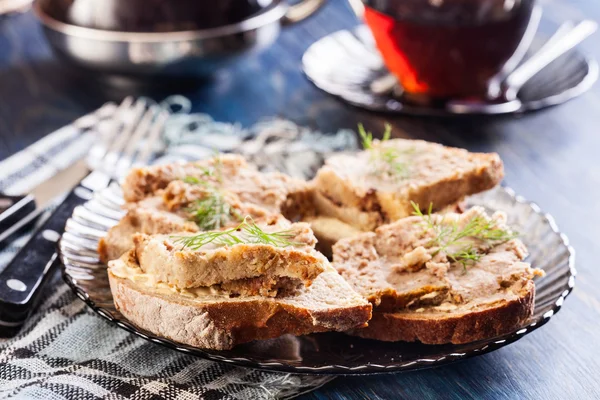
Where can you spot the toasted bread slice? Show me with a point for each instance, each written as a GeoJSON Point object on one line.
{"type": "Point", "coordinates": [149, 216]}
{"type": "Point", "coordinates": [209, 318]}
{"type": "Point", "coordinates": [272, 191]}
{"type": "Point", "coordinates": [172, 210]}
{"type": "Point", "coordinates": [329, 231]}
{"type": "Point", "coordinates": [417, 278]}
{"type": "Point", "coordinates": [353, 189]}
{"type": "Point", "coordinates": [245, 269]}
{"type": "Point", "coordinates": [457, 326]}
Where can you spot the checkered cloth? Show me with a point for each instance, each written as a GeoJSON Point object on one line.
{"type": "Point", "coordinates": [65, 351]}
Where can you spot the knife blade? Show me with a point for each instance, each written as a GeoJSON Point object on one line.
{"type": "Point", "coordinates": [59, 184]}
{"type": "Point", "coordinates": [44, 195]}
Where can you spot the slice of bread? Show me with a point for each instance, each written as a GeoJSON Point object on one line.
{"type": "Point", "coordinates": [142, 182]}
{"type": "Point", "coordinates": [245, 269]}
{"type": "Point", "coordinates": [159, 200]}
{"type": "Point", "coordinates": [357, 190]}
{"type": "Point", "coordinates": [171, 210]}
{"type": "Point", "coordinates": [148, 216]}
{"type": "Point", "coordinates": [422, 291]}
{"type": "Point", "coordinates": [329, 231]}
{"type": "Point", "coordinates": [456, 326]}
{"type": "Point", "coordinates": [209, 318]}
{"type": "Point", "coordinates": [272, 191]}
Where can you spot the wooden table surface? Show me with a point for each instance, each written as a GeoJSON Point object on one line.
{"type": "Point", "coordinates": [551, 157]}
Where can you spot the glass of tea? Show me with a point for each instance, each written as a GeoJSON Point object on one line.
{"type": "Point", "coordinates": [444, 49]}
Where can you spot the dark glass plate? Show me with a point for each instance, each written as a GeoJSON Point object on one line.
{"type": "Point", "coordinates": [328, 353]}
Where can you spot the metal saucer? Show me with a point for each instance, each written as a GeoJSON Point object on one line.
{"type": "Point", "coordinates": [346, 63]}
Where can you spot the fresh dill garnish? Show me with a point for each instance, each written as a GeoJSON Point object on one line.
{"type": "Point", "coordinates": [246, 232]}
{"type": "Point", "coordinates": [212, 211]}
{"type": "Point", "coordinates": [465, 256]}
{"type": "Point", "coordinates": [367, 137]}
{"type": "Point", "coordinates": [214, 171]}
{"type": "Point", "coordinates": [453, 236]}
{"type": "Point", "coordinates": [384, 160]}
{"type": "Point", "coordinates": [192, 180]}
{"type": "Point", "coordinates": [217, 168]}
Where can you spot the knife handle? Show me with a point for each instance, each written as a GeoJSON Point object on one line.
{"type": "Point", "coordinates": [17, 223]}
{"type": "Point", "coordinates": [23, 278]}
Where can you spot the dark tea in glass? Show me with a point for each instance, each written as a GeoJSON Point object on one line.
{"type": "Point", "coordinates": [450, 48]}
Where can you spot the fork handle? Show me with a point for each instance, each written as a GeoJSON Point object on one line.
{"type": "Point", "coordinates": [23, 278]}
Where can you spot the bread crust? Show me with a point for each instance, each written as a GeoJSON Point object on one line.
{"type": "Point", "coordinates": [222, 325]}
{"type": "Point", "coordinates": [451, 328]}
{"type": "Point", "coordinates": [451, 190]}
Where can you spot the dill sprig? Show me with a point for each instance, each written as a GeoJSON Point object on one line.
{"type": "Point", "coordinates": [246, 232]}
{"type": "Point", "coordinates": [385, 160]}
{"type": "Point", "coordinates": [192, 180]}
{"type": "Point", "coordinates": [214, 171]}
{"type": "Point", "coordinates": [452, 235]}
{"type": "Point", "coordinates": [465, 256]}
{"type": "Point", "coordinates": [212, 211]}
{"type": "Point", "coordinates": [209, 173]}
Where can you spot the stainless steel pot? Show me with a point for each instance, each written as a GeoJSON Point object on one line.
{"type": "Point", "coordinates": [181, 54]}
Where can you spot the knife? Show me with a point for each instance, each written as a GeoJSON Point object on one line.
{"type": "Point", "coordinates": [12, 211]}
{"type": "Point", "coordinates": [24, 277]}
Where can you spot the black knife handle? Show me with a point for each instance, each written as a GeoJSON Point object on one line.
{"type": "Point", "coordinates": [23, 278]}
{"type": "Point", "coordinates": [25, 222]}
{"type": "Point", "coordinates": [17, 213]}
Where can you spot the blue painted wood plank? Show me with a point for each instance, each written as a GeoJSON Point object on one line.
{"type": "Point", "coordinates": [550, 157]}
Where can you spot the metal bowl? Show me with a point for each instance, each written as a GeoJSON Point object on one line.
{"type": "Point", "coordinates": [181, 54]}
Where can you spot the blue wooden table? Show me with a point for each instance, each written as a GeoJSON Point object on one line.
{"type": "Point", "coordinates": [551, 157]}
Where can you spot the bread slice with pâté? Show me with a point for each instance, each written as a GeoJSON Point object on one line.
{"type": "Point", "coordinates": [249, 259]}
{"type": "Point", "coordinates": [436, 279]}
{"type": "Point", "coordinates": [211, 318]}
{"type": "Point", "coordinates": [330, 230]}
{"type": "Point", "coordinates": [273, 191]}
{"type": "Point", "coordinates": [180, 207]}
{"type": "Point", "coordinates": [376, 186]}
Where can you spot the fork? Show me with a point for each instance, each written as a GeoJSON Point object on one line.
{"type": "Point", "coordinates": [127, 141]}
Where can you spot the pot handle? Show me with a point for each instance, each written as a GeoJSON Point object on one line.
{"type": "Point", "coordinates": [302, 10]}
